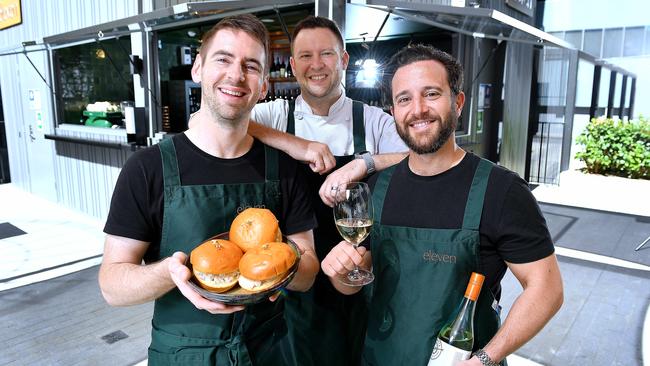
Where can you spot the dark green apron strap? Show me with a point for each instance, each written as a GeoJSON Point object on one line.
{"type": "Point", "coordinates": [171, 176]}
{"type": "Point", "coordinates": [271, 160]}
{"type": "Point", "coordinates": [272, 190]}
{"type": "Point", "coordinates": [358, 128]}
{"type": "Point", "coordinates": [379, 192]}
{"type": "Point", "coordinates": [474, 206]}
{"type": "Point", "coordinates": [291, 122]}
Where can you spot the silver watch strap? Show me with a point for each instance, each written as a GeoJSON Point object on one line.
{"type": "Point", "coordinates": [367, 158]}
{"type": "Point", "coordinates": [370, 162]}
{"type": "Point", "coordinates": [485, 358]}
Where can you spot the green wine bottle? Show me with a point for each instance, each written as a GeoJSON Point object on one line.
{"type": "Point", "coordinates": [456, 339]}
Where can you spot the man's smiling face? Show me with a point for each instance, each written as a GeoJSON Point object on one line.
{"type": "Point", "coordinates": [232, 75]}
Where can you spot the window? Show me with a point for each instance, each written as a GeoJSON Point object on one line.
{"type": "Point", "coordinates": [633, 45]}
{"type": "Point", "coordinates": [574, 37]}
{"type": "Point", "coordinates": [92, 72]}
{"type": "Point", "coordinates": [613, 42]}
{"type": "Point", "coordinates": [593, 42]}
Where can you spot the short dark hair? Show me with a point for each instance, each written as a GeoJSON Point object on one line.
{"type": "Point", "coordinates": [246, 23]}
{"type": "Point", "coordinates": [421, 52]}
{"type": "Point", "coordinates": [312, 22]}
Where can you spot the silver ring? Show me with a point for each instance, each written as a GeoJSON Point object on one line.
{"type": "Point", "coordinates": [334, 188]}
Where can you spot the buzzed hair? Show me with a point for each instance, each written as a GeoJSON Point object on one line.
{"type": "Point", "coordinates": [313, 22]}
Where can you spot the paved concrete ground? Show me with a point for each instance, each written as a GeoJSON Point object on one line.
{"type": "Point", "coordinates": [65, 321]}
{"type": "Point", "coordinates": [600, 322]}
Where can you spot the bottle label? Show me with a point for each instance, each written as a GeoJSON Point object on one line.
{"type": "Point", "coordinates": [446, 354]}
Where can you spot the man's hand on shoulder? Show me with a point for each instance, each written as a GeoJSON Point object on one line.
{"type": "Point", "coordinates": [181, 275]}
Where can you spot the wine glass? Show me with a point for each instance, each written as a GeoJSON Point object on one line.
{"type": "Point", "coordinates": [353, 216]}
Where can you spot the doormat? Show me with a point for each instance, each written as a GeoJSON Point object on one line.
{"type": "Point", "coordinates": [7, 231]}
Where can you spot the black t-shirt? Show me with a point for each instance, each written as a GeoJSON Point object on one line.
{"type": "Point", "coordinates": [137, 205]}
{"type": "Point", "coordinates": [512, 227]}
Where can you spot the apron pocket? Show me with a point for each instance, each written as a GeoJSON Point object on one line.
{"type": "Point", "coordinates": [194, 356]}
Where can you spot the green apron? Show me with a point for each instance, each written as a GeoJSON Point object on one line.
{"type": "Point", "coordinates": [325, 327]}
{"type": "Point", "coordinates": [181, 334]}
{"type": "Point", "coordinates": [420, 278]}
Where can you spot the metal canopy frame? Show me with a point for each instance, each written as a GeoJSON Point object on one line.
{"type": "Point", "coordinates": [173, 16]}
{"type": "Point", "coordinates": [475, 22]}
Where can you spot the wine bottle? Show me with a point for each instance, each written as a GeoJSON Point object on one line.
{"type": "Point", "coordinates": [289, 73]}
{"type": "Point", "coordinates": [456, 339]}
{"type": "Point", "coordinates": [283, 69]}
{"type": "Point", "coordinates": [275, 69]}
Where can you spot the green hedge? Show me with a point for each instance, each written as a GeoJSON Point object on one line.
{"type": "Point", "coordinates": [616, 147]}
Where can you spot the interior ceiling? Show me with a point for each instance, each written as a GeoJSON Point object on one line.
{"type": "Point", "coordinates": [290, 16]}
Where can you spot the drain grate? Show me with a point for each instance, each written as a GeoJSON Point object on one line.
{"type": "Point", "coordinates": [111, 338]}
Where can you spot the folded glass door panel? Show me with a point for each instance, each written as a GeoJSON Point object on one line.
{"type": "Point", "coordinates": [478, 22]}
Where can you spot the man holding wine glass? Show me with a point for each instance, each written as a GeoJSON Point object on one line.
{"type": "Point", "coordinates": [440, 215]}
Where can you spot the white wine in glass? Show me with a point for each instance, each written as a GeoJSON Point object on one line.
{"type": "Point", "coordinates": [353, 215]}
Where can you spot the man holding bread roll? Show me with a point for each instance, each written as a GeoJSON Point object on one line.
{"type": "Point", "coordinates": [171, 197]}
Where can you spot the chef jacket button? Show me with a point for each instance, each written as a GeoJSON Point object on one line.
{"type": "Point", "coordinates": [299, 116]}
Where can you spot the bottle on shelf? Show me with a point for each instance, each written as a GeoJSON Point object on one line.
{"type": "Point", "coordinates": [275, 67]}
{"type": "Point", "coordinates": [289, 73]}
{"type": "Point", "coordinates": [456, 338]}
{"type": "Point", "coordinates": [283, 69]}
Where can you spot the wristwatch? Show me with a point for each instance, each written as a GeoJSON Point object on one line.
{"type": "Point", "coordinates": [367, 158]}
{"type": "Point", "coordinates": [484, 358]}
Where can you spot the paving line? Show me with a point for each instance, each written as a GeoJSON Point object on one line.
{"type": "Point", "coordinates": [47, 275]}
{"type": "Point", "coordinates": [577, 254]}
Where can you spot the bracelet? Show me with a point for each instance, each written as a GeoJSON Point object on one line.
{"type": "Point", "coordinates": [484, 358]}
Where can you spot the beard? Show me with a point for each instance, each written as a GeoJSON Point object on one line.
{"type": "Point", "coordinates": [431, 143]}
